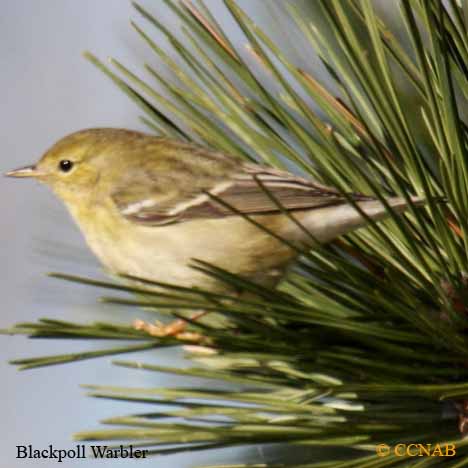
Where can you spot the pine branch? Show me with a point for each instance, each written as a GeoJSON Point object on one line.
{"type": "Point", "coordinates": [365, 341]}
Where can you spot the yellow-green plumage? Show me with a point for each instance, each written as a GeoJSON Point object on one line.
{"type": "Point", "coordinates": [142, 204]}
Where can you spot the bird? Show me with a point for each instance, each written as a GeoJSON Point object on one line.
{"type": "Point", "coordinates": [148, 205]}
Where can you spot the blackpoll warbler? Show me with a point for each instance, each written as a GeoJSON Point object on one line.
{"type": "Point", "coordinates": [144, 205]}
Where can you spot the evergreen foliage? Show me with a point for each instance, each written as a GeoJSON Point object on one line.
{"type": "Point", "coordinates": [365, 341]}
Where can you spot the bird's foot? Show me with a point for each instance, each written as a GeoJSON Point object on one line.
{"type": "Point", "coordinates": [177, 329]}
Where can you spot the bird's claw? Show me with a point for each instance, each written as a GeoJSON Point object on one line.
{"type": "Point", "coordinates": [176, 329]}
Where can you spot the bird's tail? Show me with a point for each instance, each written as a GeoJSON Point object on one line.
{"type": "Point", "coordinates": [376, 210]}
{"type": "Point", "coordinates": [328, 223]}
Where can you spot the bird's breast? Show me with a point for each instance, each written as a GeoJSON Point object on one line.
{"type": "Point", "coordinates": [165, 253]}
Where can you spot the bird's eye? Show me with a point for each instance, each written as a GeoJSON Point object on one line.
{"type": "Point", "coordinates": [65, 165]}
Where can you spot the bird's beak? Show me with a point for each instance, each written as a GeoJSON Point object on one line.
{"type": "Point", "coordinates": [27, 171]}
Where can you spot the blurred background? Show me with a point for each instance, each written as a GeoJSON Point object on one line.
{"type": "Point", "coordinates": [49, 90]}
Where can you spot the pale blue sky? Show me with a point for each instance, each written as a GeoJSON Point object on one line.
{"type": "Point", "coordinates": [49, 90]}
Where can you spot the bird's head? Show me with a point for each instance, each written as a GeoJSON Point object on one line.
{"type": "Point", "coordinates": [73, 166]}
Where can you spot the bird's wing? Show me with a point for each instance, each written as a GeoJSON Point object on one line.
{"type": "Point", "coordinates": [249, 189]}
